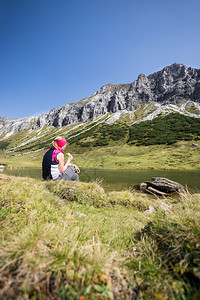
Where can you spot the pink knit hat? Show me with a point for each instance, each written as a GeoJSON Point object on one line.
{"type": "Point", "coordinates": [61, 143]}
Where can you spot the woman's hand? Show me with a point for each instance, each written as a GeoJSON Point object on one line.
{"type": "Point", "coordinates": [77, 169]}
{"type": "Point", "coordinates": [69, 159]}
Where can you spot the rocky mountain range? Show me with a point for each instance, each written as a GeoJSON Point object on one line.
{"type": "Point", "coordinates": [174, 87]}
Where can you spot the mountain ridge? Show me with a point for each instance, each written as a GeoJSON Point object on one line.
{"type": "Point", "coordinates": [174, 86]}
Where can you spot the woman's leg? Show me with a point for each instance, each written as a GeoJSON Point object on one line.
{"type": "Point", "coordinates": [69, 174]}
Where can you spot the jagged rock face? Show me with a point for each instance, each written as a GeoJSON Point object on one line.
{"type": "Point", "coordinates": [173, 85]}
{"type": "Point", "coordinates": [12, 125]}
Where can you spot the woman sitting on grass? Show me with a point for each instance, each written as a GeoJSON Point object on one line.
{"type": "Point", "coordinates": [54, 166]}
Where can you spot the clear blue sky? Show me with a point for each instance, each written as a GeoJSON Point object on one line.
{"type": "Point", "coordinates": [53, 52]}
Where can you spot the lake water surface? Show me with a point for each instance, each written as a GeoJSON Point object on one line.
{"type": "Point", "coordinates": [122, 179]}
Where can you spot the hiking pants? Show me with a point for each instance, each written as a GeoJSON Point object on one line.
{"type": "Point", "coordinates": [69, 174]}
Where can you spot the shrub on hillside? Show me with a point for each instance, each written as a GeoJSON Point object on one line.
{"type": "Point", "coordinates": [3, 145]}
{"type": "Point", "coordinates": [165, 130]}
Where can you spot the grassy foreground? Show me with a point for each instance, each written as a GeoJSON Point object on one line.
{"type": "Point", "coordinates": [66, 240]}
{"type": "Point", "coordinates": [179, 156]}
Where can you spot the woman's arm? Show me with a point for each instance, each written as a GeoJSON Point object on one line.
{"type": "Point", "coordinates": [62, 165]}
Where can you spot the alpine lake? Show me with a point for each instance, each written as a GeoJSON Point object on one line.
{"type": "Point", "coordinates": [117, 180]}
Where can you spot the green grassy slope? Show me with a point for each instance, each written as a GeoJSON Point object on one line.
{"type": "Point", "coordinates": [163, 142]}
{"type": "Point", "coordinates": [179, 156]}
{"type": "Point", "coordinates": [161, 130]}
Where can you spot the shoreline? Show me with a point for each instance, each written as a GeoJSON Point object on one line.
{"type": "Point", "coordinates": [107, 168]}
